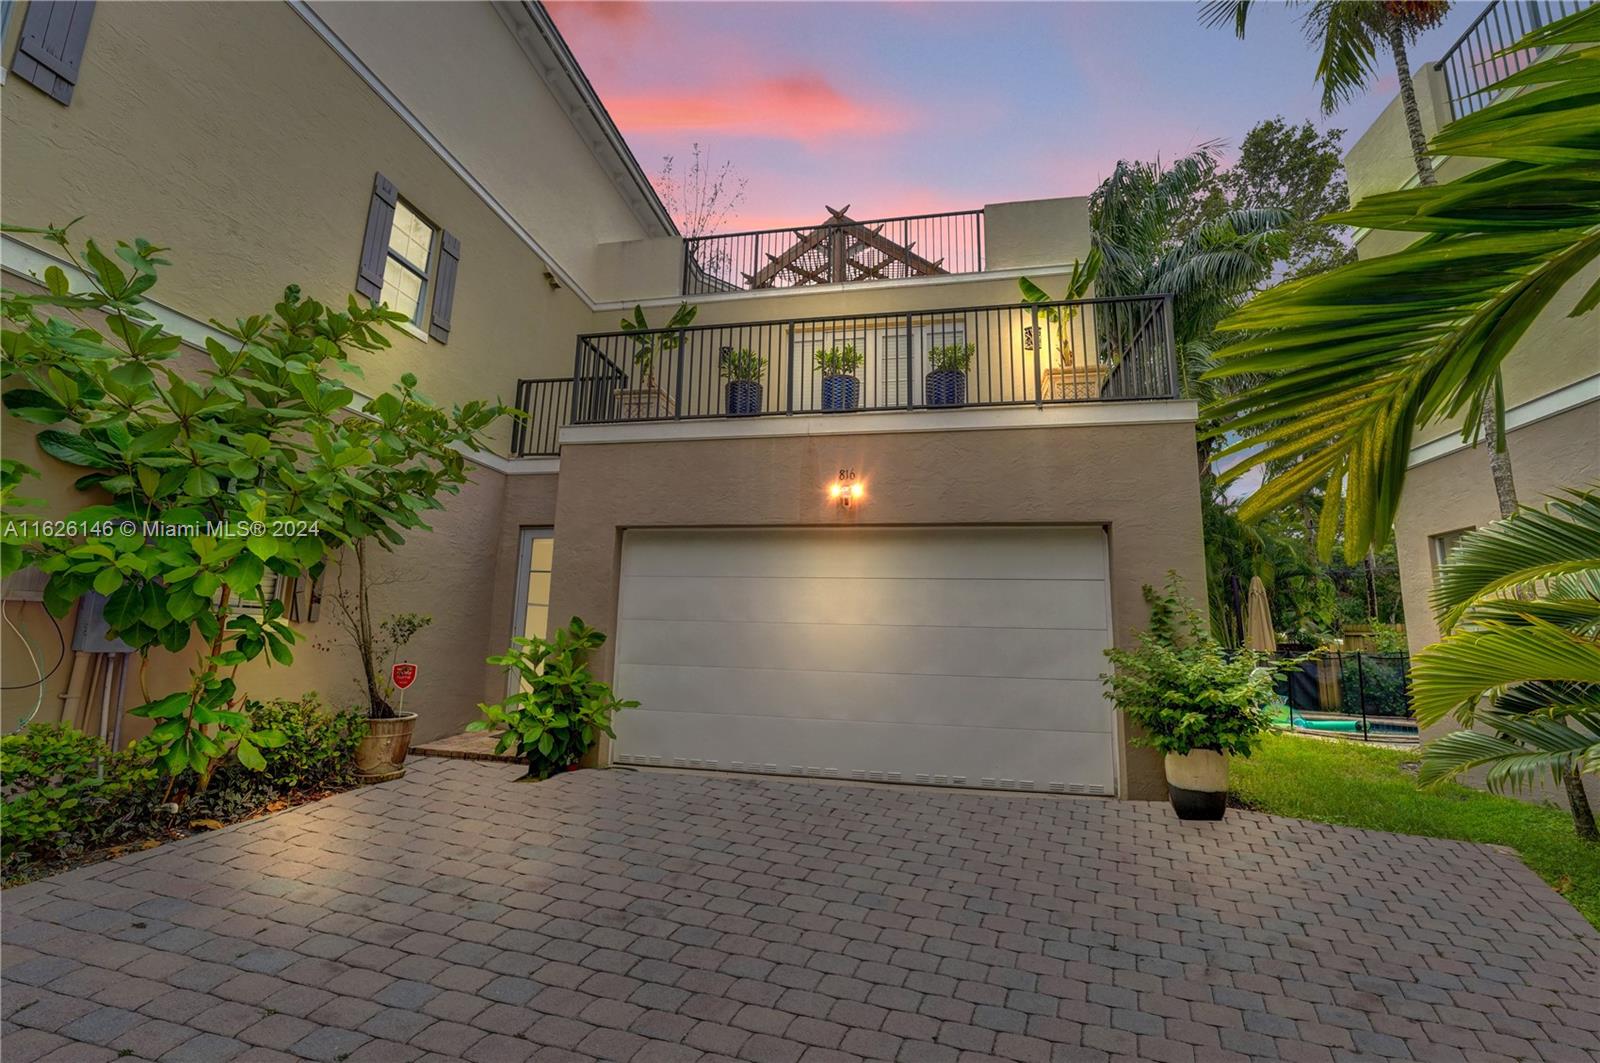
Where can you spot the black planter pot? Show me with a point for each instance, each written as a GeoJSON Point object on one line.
{"type": "Point", "coordinates": [1197, 784]}
{"type": "Point", "coordinates": [947, 387]}
{"type": "Point", "coordinates": [840, 393]}
{"type": "Point", "coordinates": [744, 398]}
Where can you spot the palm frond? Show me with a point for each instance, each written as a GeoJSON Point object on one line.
{"type": "Point", "coordinates": [1349, 362]}
{"type": "Point", "coordinates": [1453, 674]}
{"type": "Point", "coordinates": [1518, 750]}
{"type": "Point", "coordinates": [1530, 546]}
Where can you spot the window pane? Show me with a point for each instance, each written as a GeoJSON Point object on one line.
{"type": "Point", "coordinates": [533, 624]}
{"type": "Point", "coordinates": [543, 551]}
{"type": "Point", "coordinates": [410, 237]}
{"type": "Point", "coordinates": [538, 588]}
{"type": "Point", "coordinates": [402, 290]}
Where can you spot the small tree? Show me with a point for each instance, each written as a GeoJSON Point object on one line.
{"type": "Point", "coordinates": [417, 454]}
{"type": "Point", "coordinates": [213, 477]}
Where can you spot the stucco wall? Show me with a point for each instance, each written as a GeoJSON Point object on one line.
{"type": "Point", "coordinates": [494, 113]}
{"type": "Point", "coordinates": [235, 136]}
{"type": "Point", "coordinates": [1380, 160]}
{"type": "Point", "coordinates": [1455, 492]}
{"type": "Point", "coordinates": [1035, 232]}
{"type": "Point", "coordinates": [1151, 506]}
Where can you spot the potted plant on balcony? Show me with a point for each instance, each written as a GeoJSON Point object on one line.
{"type": "Point", "coordinates": [1063, 376]}
{"type": "Point", "coordinates": [743, 369]}
{"type": "Point", "coordinates": [1197, 703]}
{"type": "Point", "coordinates": [947, 373]}
{"type": "Point", "coordinates": [841, 388]}
{"type": "Point", "coordinates": [647, 401]}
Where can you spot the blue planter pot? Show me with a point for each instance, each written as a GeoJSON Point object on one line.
{"type": "Point", "coordinates": [744, 398]}
{"type": "Point", "coordinates": [947, 387]}
{"type": "Point", "coordinates": [840, 393]}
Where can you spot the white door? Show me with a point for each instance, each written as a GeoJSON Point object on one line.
{"type": "Point", "coordinates": [948, 656]}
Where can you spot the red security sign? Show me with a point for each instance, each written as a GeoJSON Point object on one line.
{"type": "Point", "coordinates": [403, 675]}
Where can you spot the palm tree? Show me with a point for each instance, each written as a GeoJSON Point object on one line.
{"type": "Point", "coordinates": [1520, 602]}
{"type": "Point", "coordinates": [1348, 363]}
{"type": "Point", "coordinates": [1350, 33]}
{"type": "Point", "coordinates": [1144, 228]}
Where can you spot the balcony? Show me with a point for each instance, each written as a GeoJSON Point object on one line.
{"type": "Point", "coordinates": [841, 250]}
{"type": "Point", "coordinates": [1484, 54]}
{"type": "Point", "coordinates": [1043, 354]}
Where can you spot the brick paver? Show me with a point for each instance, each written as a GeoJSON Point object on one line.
{"type": "Point", "coordinates": [654, 917]}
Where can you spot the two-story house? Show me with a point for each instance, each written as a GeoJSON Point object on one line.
{"type": "Point", "coordinates": [867, 517]}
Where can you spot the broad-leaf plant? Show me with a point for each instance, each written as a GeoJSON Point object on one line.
{"type": "Point", "coordinates": [210, 470]}
{"type": "Point", "coordinates": [560, 709]}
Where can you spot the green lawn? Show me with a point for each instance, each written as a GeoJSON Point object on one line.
{"type": "Point", "coordinates": [1365, 786]}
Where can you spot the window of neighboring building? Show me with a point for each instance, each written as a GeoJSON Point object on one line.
{"type": "Point", "coordinates": [1441, 545]}
{"type": "Point", "coordinates": [405, 281]}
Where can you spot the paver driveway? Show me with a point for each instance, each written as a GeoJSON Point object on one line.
{"type": "Point", "coordinates": [664, 917]}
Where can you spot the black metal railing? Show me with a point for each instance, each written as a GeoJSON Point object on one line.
{"type": "Point", "coordinates": [839, 251]}
{"type": "Point", "coordinates": [546, 408]}
{"type": "Point", "coordinates": [1358, 695]}
{"type": "Point", "coordinates": [1090, 350]}
{"type": "Point", "coordinates": [1475, 63]}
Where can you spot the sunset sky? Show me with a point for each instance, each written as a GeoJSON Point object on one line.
{"type": "Point", "coordinates": [901, 108]}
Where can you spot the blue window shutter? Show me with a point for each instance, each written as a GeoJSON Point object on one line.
{"type": "Point", "coordinates": [375, 245]}
{"type": "Point", "coordinates": [50, 49]}
{"type": "Point", "coordinates": [444, 287]}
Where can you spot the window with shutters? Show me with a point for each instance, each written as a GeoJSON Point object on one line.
{"type": "Point", "coordinates": [407, 262]}
{"type": "Point", "coordinates": [410, 251]}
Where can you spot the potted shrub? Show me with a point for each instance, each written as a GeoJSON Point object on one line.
{"type": "Point", "coordinates": [561, 709]}
{"type": "Point", "coordinates": [1062, 375]}
{"type": "Point", "coordinates": [947, 373]}
{"type": "Point", "coordinates": [647, 401]}
{"type": "Point", "coordinates": [841, 388]}
{"type": "Point", "coordinates": [743, 370]}
{"type": "Point", "coordinates": [381, 754]}
{"type": "Point", "coordinates": [1197, 703]}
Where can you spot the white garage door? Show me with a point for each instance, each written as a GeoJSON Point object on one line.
{"type": "Point", "coordinates": [947, 656]}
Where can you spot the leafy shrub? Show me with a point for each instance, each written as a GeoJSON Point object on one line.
{"type": "Point", "coordinates": [742, 364]}
{"type": "Point", "coordinates": [319, 746]}
{"type": "Point", "coordinates": [561, 709]}
{"type": "Point", "coordinates": [951, 357]}
{"type": "Point", "coordinates": [67, 791]}
{"type": "Point", "coordinates": [839, 361]}
{"type": "Point", "coordinates": [1184, 689]}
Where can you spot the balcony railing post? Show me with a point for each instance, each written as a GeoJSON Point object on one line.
{"type": "Point", "coordinates": [788, 389]}
{"type": "Point", "coordinates": [577, 377]}
{"type": "Point", "coordinates": [910, 373]}
{"type": "Point", "coordinates": [1038, 370]}
{"type": "Point", "coordinates": [1175, 386]}
{"type": "Point", "coordinates": [677, 387]}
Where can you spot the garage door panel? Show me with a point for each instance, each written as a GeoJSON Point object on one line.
{"type": "Point", "coordinates": [1027, 652]}
{"type": "Point", "coordinates": [963, 701]}
{"type": "Point", "coordinates": [986, 553]}
{"type": "Point", "coordinates": [898, 752]}
{"type": "Point", "coordinates": [962, 602]}
{"type": "Point", "coordinates": [949, 656]}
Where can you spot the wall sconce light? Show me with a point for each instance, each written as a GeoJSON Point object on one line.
{"type": "Point", "coordinates": [847, 489]}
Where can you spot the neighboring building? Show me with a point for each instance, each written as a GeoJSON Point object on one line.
{"type": "Point", "coordinates": [920, 590]}
{"type": "Point", "coordinates": [1552, 377]}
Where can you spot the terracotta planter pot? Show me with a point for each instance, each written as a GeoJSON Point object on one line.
{"type": "Point", "coordinates": [1197, 784]}
{"type": "Point", "coordinates": [381, 756]}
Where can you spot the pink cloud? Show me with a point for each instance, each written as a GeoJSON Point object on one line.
{"type": "Point", "coordinates": [797, 106]}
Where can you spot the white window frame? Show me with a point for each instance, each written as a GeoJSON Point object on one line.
{"type": "Point", "coordinates": [423, 273]}
{"type": "Point", "coordinates": [1439, 547]}
{"type": "Point", "coordinates": [519, 614]}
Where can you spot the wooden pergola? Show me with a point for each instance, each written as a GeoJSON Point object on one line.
{"type": "Point", "coordinates": [841, 250]}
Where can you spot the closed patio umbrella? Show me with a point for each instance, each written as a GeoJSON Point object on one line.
{"type": "Point", "coordinates": [1258, 622]}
